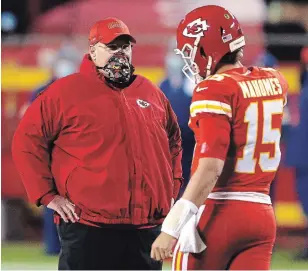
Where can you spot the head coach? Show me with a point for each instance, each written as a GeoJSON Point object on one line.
{"type": "Point", "coordinates": [102, 147]}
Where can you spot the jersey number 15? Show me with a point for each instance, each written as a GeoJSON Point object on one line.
{"type": "Point", "coordinates": [247, 163]}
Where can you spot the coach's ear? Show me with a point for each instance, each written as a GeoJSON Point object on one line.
{"type": "Point", "coordinates": [92, 52]}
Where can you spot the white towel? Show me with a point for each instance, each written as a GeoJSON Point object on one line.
{"type": "Point", "coordinates": [190, 240]}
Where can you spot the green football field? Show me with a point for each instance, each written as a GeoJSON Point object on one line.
{"type": "Point", "coordinates": [30, 256]}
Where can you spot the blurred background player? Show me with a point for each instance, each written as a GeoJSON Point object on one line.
{"type": "Point", "coordinates": [179, 89]}
{"type": "Point", "coordinates": [297, 151]}
{"type": "Point", "coordinates": [289, 17]}
{"type": "Point", "coordinates": [234, 161]}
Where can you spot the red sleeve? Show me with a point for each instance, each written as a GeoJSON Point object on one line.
{"type": "Point", "coordinates": [31, 147]}
{"type": "Point", "coordinates": [214, 136]}
{"type": "Point", "coordinates": [175, 145]}
{"type": "Point", "coordinates": [211, 115]}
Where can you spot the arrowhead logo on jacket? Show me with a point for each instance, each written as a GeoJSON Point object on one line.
{"type": "Point", "coordinates": [142, 103]}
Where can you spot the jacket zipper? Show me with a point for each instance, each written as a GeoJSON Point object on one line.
{"type": "Point", "coordinates": [135, 186]}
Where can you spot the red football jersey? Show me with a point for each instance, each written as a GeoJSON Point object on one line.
{"type": "Point", "coordinates": [241, 114]}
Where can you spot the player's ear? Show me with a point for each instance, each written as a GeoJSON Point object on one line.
{"type": "Point", "coordinates": [240, 55]}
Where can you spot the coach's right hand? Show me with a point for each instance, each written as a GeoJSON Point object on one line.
{"type": "Point", "coordinates": [64, 208]}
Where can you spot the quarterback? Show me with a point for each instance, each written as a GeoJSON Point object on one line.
{"type": "Point", "coordinates": [236, 115]}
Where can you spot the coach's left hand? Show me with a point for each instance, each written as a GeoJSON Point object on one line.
{"type": "Point", "coordinates": [163, 246]}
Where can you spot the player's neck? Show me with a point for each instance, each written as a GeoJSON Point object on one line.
{"type": "Point", "coordinates": [226, 67]}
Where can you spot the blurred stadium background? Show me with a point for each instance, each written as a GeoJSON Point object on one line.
{"type": "Point", "coordinates": [42, 40]}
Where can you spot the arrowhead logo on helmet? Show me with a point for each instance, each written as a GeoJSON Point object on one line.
{"type": "Point", "coordinates": [196, 28]}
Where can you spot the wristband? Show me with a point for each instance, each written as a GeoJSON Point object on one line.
{"type": "Point", "coordinates": [178, 216]}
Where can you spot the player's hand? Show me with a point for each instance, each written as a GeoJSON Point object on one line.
{"type": "Point", "coordinates": [163, 246]}
{"type": "Point", "coordinates": [64, 208]}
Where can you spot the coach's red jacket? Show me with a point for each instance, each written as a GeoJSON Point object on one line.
{"type": "Point", "coordinates": [115, 154]}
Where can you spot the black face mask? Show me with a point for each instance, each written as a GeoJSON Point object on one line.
{"type": "Point", "coordinates": [118, 69]}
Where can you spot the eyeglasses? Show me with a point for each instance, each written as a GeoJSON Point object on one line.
{"type": "Point", "coordinates": [115, 47]}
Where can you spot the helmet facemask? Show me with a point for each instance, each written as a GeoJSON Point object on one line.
{"type": "Point", "coordinates": [191, 57]}
{"type": "Point", "coordinates": [191, 69]}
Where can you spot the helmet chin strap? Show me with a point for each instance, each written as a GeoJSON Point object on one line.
{"type": "Point", "coordinates": [209, 66]}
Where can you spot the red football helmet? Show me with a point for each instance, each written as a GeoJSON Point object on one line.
{"type": "Point", "coordinates": [204, 36]}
